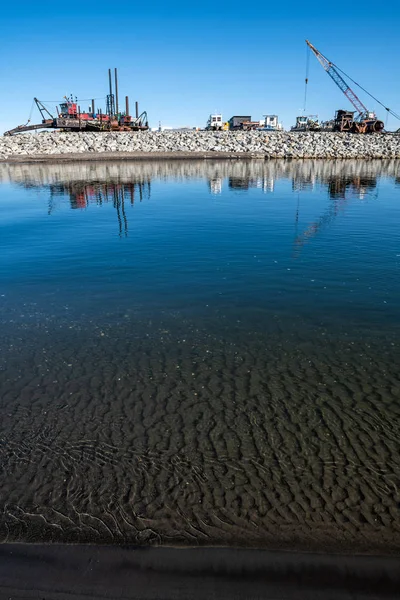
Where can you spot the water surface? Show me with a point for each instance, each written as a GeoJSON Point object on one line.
{"type": "Point", "coordinates": [201, 353]}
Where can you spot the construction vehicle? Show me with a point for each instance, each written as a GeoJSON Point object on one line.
{"type": "Point", "coordinates": [70, 117]}
{"type": "Point", "coordinates": [304, 123]}
{"type": "Point", "coordinates": [270, 123]}
{"type": "Point", "coordinates": [214, 123]}
{"type": "Point", "coordinates": [366, 120]}
{"type": "Point", "coordinates": [250, 125]}
{"type": "Point", "coordinates": [236, 122]}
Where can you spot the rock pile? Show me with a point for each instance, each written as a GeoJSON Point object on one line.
{"type": "Point", "coordinates": [259, 144]}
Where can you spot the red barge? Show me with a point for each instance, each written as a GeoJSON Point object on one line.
{"type": "Point", "coordinates": [70, 117]}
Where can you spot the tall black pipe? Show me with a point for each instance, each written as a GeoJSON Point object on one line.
{"type": "Point", "coordinates": [116, 91]}
{"type": "Point", "coordinates": [137, 109]}
{"type": "Point", "coordinates": [93, 108]}
{"type": "Point", "coordinates": [126, 105]}
{"type": "Point", "coordinates": [111, 92]}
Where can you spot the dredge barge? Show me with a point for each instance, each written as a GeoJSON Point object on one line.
{"type": "Point", "coordinates": [69, 116]}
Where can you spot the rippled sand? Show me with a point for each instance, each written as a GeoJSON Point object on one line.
{"type": "Point", "coordinates": [183, 432]}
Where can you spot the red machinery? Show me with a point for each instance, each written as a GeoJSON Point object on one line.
{"type": "Point", "coordinates": [70, 110]}
{"type": "Point", "coordinates": [366, 121]}
{"type": "Point", "coordinates": [71, 118]}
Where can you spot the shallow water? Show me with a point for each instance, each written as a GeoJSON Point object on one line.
{"type": "Point", "coordinates": [201, 353]}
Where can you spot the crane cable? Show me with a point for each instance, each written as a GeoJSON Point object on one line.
{"type": "Point", "coordinates": [78, 100]}
{"type": "Point", "coordinates": [30, 114]}
{"type": "Point", "coordinates": [389, 110]}
{"type": "Point", "coordinates": [42, 102]}
{"type": "Point", "coordinates": [306, 79]}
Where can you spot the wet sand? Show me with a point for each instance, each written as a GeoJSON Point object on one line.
{"type": "Point", "coordinates": [164, 432]}
{"type": "Point", "coordinates": [90, 572]}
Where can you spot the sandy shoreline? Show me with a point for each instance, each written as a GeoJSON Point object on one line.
{"type": "Point", "coordinates": [154, 157]}
{"type": "Point", "coordinates": [77, 572]}
{"type": "Point", "coordinates": [139, 156]}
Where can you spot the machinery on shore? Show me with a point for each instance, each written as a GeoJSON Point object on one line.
{"type": "Point", "coordinates": [304, 123]}
{"type": "Point", "coordinates": [365, 121]}
{"type": "Point", "coordinates": [269, 123]}
{"type": "Point", "coordinates": [70, 117]}
{"type": "Point", "coordinates": [215, 122]}
{"type": "Point", "coordinates": [243, 123]}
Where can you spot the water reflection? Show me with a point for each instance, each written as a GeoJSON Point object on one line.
{"type": "Point", "coordinates": [81, 195]}
{"type": "Point", "coordinates": [215, 185]}
{"type": "Point", "coordinates": [314, 228]}
{"type": "Point", "coordinates": [339, 176]}
{"type": "Point", "coordinates": [193, 383]}
{"type": "Point", "coordinates": [121, 183]}
{"type": "Point", "coordinates": [266, 184]}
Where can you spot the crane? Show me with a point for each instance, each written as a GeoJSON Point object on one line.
{"type": "Point", "coordinates": [344, 121]}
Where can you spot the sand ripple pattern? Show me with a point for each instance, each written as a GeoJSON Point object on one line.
{"type": "Point", "coordinates": [148, 433]}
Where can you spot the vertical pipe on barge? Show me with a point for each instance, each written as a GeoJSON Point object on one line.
{"type": "Point", "coordinates": [137, 109]}
{"type": "Point", "coordinates": [110, 83]}
{"type": "Point", "coordinates": [93, 108]}
{"type": "Point", "coordinates": [126, 105]}
{"type": "Point", "coordinates": [116, 91]}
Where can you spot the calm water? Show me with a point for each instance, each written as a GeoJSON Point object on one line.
{"type": "Point", "coordinates": [201, 353]}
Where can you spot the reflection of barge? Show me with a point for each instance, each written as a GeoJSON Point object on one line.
{"type": "Point", "coordinates": [81, 195]}
{"type": "Point", "coordinates": [70, 117]}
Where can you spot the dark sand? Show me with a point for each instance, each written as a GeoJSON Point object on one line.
{"type": "Point", "coordinates": [147, 432]}
{"type": "Point", "coordinates": [84, 573]}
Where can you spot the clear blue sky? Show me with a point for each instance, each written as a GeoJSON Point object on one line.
{"type": "Point", "coordinates": [183, 60]}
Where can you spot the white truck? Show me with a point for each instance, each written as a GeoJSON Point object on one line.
{"type": "Point", "coordinates": [214, 123]}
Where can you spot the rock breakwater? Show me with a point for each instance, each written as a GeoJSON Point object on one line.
{"type": "Point", "coordinates": [254, 144]}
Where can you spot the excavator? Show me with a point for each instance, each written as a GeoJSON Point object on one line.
{"type": "Point", "coordinates": [365, 121]}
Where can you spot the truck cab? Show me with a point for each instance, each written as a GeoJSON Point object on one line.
{"type": "Point", "coordinates": [214, 123]}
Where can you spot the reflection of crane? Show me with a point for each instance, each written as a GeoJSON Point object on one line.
{"type": "Point", "coordinates": [313, 228]}
{"type": "Point", "coordinates": [366, 120]}
{"type": "Point", "coordinates": [337, 188]}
